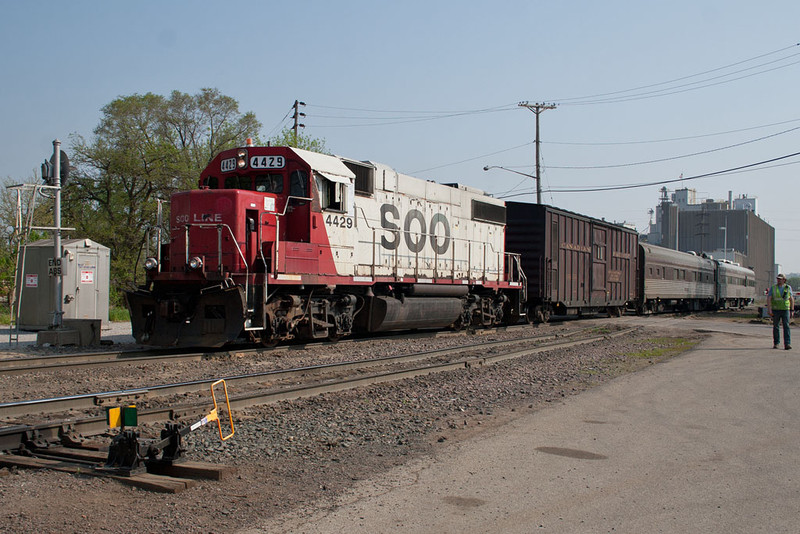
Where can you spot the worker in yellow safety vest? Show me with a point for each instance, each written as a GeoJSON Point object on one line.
{"type": "Point", "coordinates": [780, 303]}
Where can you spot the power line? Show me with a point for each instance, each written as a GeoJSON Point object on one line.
{"type": "Point", "coordinates": [612, 97]}
{"type": "Point", "coordinates": [420, 112]}
{"type": "Point", "coordinates": [672, 158]}
{"type": "Point", "coordinates": [653, 141]}
{"type": "Point", "coordinates": [471, 159]}
{"type": "Point", "coordinates": [682, 77]}
{"type": "Point", "coordinates": [731, 170]}
{"type": "Point", "coordinates": [656, 94]}
{"type": "Point", "coordinates": [389, 122]}
{"type": "Point", "coordinates": [571, 188]}
{"type": "Point", "coordinates": [602, 144]}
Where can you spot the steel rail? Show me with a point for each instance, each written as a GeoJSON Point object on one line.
{"type": "Point", "coordinates": [92, 400]}
{"type": "Point", "coordinates": [10, 436]}
{"type": "Point", "coordinates": [13, 366]}
{"type": "Point", "coordinates": [51, 362]}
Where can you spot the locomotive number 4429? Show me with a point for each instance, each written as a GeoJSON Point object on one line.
{"type": "Point", "coordinates": [340, 221]}
{"type": "Point", "coordinates": [267, 162]}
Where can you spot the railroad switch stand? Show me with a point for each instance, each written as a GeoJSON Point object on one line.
{"type": "Point", "coordinates": [129, 455]}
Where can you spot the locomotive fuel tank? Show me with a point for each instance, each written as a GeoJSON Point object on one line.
{"type": "Point", "coordinates": [389, 313]}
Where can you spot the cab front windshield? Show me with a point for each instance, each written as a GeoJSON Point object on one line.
{"type": "Point", "coordinates": [262, 183]}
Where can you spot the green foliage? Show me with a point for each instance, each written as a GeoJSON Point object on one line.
{"type": "Point", "coordinates": [663, 346]}
{"type": "Point", "coordinates": [145, 148]}
{"type": "Point", "coordinates": [287, 137]}
{"type": "Point", "coordinates": [118, 314]}
{"type": "Point", "coordinates": [19, 207]}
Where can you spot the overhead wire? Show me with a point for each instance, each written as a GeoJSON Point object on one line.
{"type": "Point", "coordinates": [656, 94]}
{"type": "Point", "coordinates": [413, 116]}
{"type": "Point", "coordinates": [398, 120]}
{"type": "Point", "coordinates": [672, 158]}
{"type": "Point", "coordinates": [682, 77]}
{"type": "Point", "coordinates": [724, 172]}
{"type": "Point", "coordinates": [666, 140]}
{"type": "Point", "coordinates": [472, 159]}
{"type": "Point", "coordinates": [616, 96]}
{"type": "Point", "coordinates": [275, 128]}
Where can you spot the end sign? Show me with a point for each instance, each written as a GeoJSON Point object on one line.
{"type": "Point", "coordinates": [54, 267]}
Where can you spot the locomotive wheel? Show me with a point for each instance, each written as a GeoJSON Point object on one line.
{"type": "Point", "coordinates": [333, 335]}
{"type": "Point", "coordinates": [529, 317]}
{"type": "Point", "coordinates": [269, 342]}
{"type": "Point", "coordinates": [545, 314]}
{"type": "Point", "coordinates": [541, 314]}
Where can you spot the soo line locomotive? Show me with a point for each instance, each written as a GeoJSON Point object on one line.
{"type": "Point", "coordinates": [279, 243]}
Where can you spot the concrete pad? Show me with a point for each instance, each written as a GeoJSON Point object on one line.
{"type": "Point", "coordinates": [706, 442]}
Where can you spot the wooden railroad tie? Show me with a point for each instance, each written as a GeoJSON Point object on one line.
{"type": "Point", "coordinates": [160, 478]}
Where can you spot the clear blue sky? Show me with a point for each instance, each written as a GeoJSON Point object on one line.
{"type": "Point", "coordinates": [441, 81]}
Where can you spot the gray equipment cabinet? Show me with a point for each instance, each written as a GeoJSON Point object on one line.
{"type": "Point", "coordinates": [85, 282]}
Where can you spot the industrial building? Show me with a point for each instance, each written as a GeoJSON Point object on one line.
{"type": "Point", "coordinates": [724, 229]}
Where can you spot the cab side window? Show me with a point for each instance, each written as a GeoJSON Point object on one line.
{"type": "Point", "coordinates": [298, 184]}
{"type": "Point", "coordinates": [332, 194]}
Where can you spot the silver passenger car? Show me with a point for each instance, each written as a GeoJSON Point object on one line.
{"type": "Point", "coordinates": [673, 280]}
{"type": "Point", "coordinates": [736, 285]}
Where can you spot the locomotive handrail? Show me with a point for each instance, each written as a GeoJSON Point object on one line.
{"type": "Point", "coordinates": [286, 205]}
{"type": "Point", "coordinates": [219, 227]}
{"type": "Point", "coordinates": [148, 229]}
{"type": "Point", "coordinates": [278, 228]}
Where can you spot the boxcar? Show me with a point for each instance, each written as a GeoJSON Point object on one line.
{"type": "Point", "coordinates": [574, 264]}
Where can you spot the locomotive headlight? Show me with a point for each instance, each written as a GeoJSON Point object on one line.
{"type": "Point", "coordinates": [241, 158]}
{"type": "Point", "coordinates": [150, 264]}
{"type": "Point", "coordinates": [196, 263]}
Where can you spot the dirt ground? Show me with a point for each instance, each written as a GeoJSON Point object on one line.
{"type": "Point", "coordinates": [302, 454]}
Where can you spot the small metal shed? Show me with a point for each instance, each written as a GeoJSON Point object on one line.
{"type": "Point", "coordinates": [85, 282]}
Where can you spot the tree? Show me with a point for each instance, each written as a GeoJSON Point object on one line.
{"type": "Point", "coordinates": [145, 148]}
{"type": "Point", "coordinates": [287, 137]}
{"type": "Point", "coordinates": [20, 209]}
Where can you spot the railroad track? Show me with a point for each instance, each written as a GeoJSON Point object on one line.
{"type": "Point", "coordinates": [58, 362]}
{"type": "Point", "coordinates": [319, 379]}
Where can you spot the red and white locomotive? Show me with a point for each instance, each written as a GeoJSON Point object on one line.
{"type": "Point", "coordinates": [280, 243]}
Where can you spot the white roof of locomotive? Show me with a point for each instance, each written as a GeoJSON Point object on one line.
{"type": "Point", "coordinates": [325, 164]}
{"type": "Point", "coordinates": [333, 168]}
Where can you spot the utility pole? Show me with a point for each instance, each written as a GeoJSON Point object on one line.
{"type": "Point", "coordinates": [296, 117]}
{"type": "Point", "coordinates": [537, 109]}
{"type": "Point", "coordinates": [58, 290]}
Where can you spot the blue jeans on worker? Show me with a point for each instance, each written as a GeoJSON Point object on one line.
{"type": "Point", "coordinates": [781, 316]}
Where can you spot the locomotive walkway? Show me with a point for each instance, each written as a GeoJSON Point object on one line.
{"type": "Point", "coordinates": [706, 442]}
